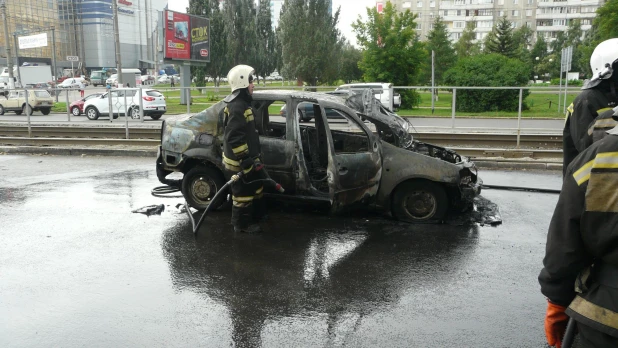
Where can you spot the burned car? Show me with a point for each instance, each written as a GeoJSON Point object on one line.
{"type": "Point", "coordinates": [347, 165]}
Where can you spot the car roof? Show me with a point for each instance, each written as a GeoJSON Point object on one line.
{"type": "Point", "coordinates": [283, 93]}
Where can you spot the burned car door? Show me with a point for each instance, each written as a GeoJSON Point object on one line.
{"type": "Point", "coordinates": [354, 159]}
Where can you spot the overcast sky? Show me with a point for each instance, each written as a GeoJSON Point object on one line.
{"type": "Point", "coordinates": [350, 9]}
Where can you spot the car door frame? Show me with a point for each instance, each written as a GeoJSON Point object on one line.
{"type": "Point", "coordinates": [354, 178]}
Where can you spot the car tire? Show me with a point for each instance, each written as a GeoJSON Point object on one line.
{"type": "Point", "coordinates": [134, 112]}
{"type": "Point", "coordinates": [156, 116]}
{"type": "Point", "coordinates": [200, 185]}
{"type": "Point", "coordinates": [75, 111]}
{"type": "Point", "coordinates": [419, 201]}
{"type": "Point", "coordinates": [46, 111]}
{"type": "Point", "coordinates": [1, 110]}
{"type": "Point", "coordinates": [92, 113]}
{"type": "Point", "coordinates": [24, 110]}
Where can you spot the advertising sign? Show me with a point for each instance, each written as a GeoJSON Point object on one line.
{"type": "Point", "coordinates": [33, 41]}
{"type": "Point", "coordinates": [186, 37]}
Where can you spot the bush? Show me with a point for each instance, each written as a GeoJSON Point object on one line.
{"type": "Point", "coordinates": [489, 70]}
{"type": "Point", "coordinates": [574, 83]}
{"type": "Point", "coordinates": [409, 99]}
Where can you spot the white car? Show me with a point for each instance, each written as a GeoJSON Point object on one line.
{"type": "Point", "coordinates": [112, 80]}
{"type": "Point", "coordinates": [380, 90]}
{"type": "Point", "coordinates": [126, 101]}
{"type": "Point", "coordinates": [72, 82]}
{"type": "Point", "coordinates": [168, 79]}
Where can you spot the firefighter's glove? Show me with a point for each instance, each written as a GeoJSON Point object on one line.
{"type": "Point", "coordinates": [555, 324]}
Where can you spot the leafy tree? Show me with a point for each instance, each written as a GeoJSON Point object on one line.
{"type": "Point", "coordinates": [558, 44]}
{"type": "Point", "coordinates": [218, 43]}
{"type": "Point", "coordinates": [538, 54]}
{"type": "Point", "coordinates": [522, 38]}
{"type": "Point", "coordinates": [309, 40]}
{"type": "Point", "coordinates": [466, 45]}
{"type": "Point", "coordinates": [438, 42]}
{"type": "Point", "coordinates": [493, 70]}
{"type": "Point", "coordinates": [265, 62]}
{"type": "Point", "coordinates": [606, 21]}
{"type": "Point", "coordinates": [500, 39]}
{"type": "Point", "coordinates": [241, 32]}
{"type": "Point", "coordinates": [392, 50]}
{"type": "Point", "coordinates": [350, 58]}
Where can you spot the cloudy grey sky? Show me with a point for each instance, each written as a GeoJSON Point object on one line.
{"type": "Point", "coordinates": [350, 9]}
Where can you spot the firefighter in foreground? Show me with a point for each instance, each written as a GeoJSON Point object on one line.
{"type": "Point", "coordinates": [241, 152]}
{"type": "Point", "coordinates": [580, 274]}
{"type": "Point", "coordinates": [598, 95]}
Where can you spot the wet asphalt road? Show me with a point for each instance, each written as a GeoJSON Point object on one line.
{"type": "Point", "coordinates": [78, 268]}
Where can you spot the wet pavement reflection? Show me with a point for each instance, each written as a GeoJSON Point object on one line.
{"type": "Point", "coordinates": [79, 268]}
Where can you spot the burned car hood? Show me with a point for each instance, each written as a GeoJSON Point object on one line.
{"type": "Point", "coordinates": [395, 130]}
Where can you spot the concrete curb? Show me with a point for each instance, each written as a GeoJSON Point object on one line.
{"type": "Point", "coordinates": [92, 151]}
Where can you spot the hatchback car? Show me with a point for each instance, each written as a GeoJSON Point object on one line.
{"type": "Point", "coordinates": [77, 107]}
{"type": "Point", "coordinates": [38, 100]}
{"type": "Point", "coordinates": [348, 167]}
{"type": "Point", "coordinates": [126, 101]}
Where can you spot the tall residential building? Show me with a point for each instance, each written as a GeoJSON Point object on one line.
{"type": "Point", "coordinates": [547, 17]}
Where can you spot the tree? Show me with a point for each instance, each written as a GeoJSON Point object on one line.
{"type": "Point", "coordinates": [500, 39]}
{"type": "Point", "coordinates": [265, 62]}
{"type": "Point", "coordinates": [438, 42]}
{"type": "Point", "coordinates": [522, 38]}
{"type": "Point", "coordinates": [392, 50]}
{"type": "Point", "coordinates": [310, 40]}
{"type": "Point", "coordinates": [218, 44]}
{"type": "Point", "coordinates": [466, 45]}
{"type": "Point", "coordinates": [493, 70]}
{"type": "Point", "coordinates": [350, 58]}
{"type": "Point", "coordinates": [538, 54]}
{"type": "Point", "coordinates": [606, 21]}
{"type": "Point", "coordinates": [241, 33]}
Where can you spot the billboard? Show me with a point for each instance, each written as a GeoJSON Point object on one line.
{"type": "Point", "coordinates": [32, 41]}
{"type": "Point", "coordinates": [186, 37]}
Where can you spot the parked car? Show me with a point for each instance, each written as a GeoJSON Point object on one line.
{"type": "Point", "coordinates": [152, 100]}
{"type": "Point", "coordinates": [77, 107]}
{"type": "Point", "coordinates": [72, 83]}
{"type": "Point", "coordinates": [387, 171]}
{"type": "Point", "coordinates": [168, 79]}
{"type": "Point", "coordinates": [39, 100]}
{"type": "Point", "coordinates": [44, 86]}
{"type": "Point", "coordinates": [380, 90]}
{"type": "Point", "coordinates": [112, 80]}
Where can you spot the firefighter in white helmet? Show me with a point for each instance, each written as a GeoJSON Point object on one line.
{"type": "Point", "coordinates": [241, 151]}
{"type": "Point", "coordinates": [597, 97]}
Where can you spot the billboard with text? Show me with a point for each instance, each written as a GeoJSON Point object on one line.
{"type": "Point", "coordinates": [186, 37]}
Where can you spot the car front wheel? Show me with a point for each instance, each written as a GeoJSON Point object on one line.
{"type": "Point", "coordinates": [46, 111]}
{"type": "Point", "coordinates": [419, 201]}
{"type": "Point", "coordinates": [92, 113]}
{"type": "Point", "coordinates": [75, 111]}
{"type": "Point", "coordinates": [200, 185]}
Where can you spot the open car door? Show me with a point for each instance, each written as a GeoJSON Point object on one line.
{"type": "Point", "coordinates": [354, 159]}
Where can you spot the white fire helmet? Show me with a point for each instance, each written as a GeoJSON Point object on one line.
{"type": "Point", "coordinates": [604, 55]}
{"type": "Point", "coordinates": [240, 76]}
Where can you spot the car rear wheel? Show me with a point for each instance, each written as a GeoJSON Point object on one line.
{"type": "Point", "coordinates": [200, 185]}
{"type": "Point", "coordinates": [24, 110]}
{"type": "Point", "coordinates": [75, 111]}
{"type": "Point", "coordinates": [1, 110]}
{"type": "Point", "coordinates": [92, 113]}
{"type": "Point", "coordinates": [419, 201]}
{"type": "Point", "coordinates": [134, 112]}
{"type": "Point", "coordinates": [46, 111]}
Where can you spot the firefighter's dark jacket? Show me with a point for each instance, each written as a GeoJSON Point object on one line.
{"type": "Point", "coordinates": [603, 123]}
{"type": "Point", "coordinates": [589, 104]}
{"type": "Point", "coordinates": [240, 138]}
{"type": "Point", "coordinates": [584, 232]}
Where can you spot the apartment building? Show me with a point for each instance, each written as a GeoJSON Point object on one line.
{"type": "Point", "coordinates": [548, 17]}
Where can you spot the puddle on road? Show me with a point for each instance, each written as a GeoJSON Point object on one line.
{"type": "Point", "coordinates": [484, 212]}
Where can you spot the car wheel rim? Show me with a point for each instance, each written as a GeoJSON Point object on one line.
{"type": "Point", "coordinates": [75, 112]}
{"type": "Point", "coordinates": [420, 205]}
{"type": "Point", "coordinates": [202, 189]}
{"type": "Point", "coordinates": [91, 113]}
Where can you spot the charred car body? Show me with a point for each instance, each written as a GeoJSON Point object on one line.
{"type": "Point", "coordinates": [385, 169]}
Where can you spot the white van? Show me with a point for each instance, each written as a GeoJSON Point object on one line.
{"type": "Point", "coordinates": [381, 90]}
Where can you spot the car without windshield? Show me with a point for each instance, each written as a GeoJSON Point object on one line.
{"type": "Point", "coordinates": [386, 169]}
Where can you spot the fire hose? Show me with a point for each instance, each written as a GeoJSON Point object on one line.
{"type": "Point", "coordinates": [258, 167]}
